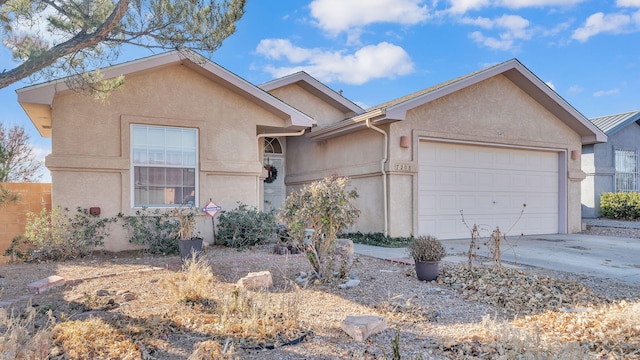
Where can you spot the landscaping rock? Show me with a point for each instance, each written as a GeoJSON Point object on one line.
{"type": "Point", "coordinates": [361, 327]}
{"type": "Point", "coordinates": [343, 256]}
{"type": "Point", "coordinates": [256, 280]}
{"type": "Point", "coordinates": [126, 295]}
{"type": "Point", "coordinates": [349, 284]}
{"type": "Point", "coordinates": [102, 292]}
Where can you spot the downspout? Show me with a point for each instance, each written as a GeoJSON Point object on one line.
{"type": "Point", "coordinates": [385, 194]}
{"type": "Point", "coordinates": [260, 136]}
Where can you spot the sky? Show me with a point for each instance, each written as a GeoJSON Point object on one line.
{"type": "Point", "coordinates": [378, 50]}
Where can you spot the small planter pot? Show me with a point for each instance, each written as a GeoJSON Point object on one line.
{"type": "Point", "coordinates": [187, 247]}
{"type": "Point", "coordinates": [427, 270]}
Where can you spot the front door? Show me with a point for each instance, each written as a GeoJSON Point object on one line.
{"type": "Point", "coordinates": [274, 190]}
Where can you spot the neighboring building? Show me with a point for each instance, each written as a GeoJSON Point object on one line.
{"type": "Point", "coordinates": [611, 166]}
{"type": "Point", "coordinates": [183, 129]}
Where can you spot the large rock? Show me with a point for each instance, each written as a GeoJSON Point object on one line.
{"type": "Point", "coordinates": [256, 280]}
{"type": "Point", "coordinates": [343, 255]}
{"type": "Point", "coordinates": [361, 327]}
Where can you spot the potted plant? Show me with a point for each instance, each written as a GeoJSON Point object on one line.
{"type": "Point", "coordinates": [426, 251]}
{"type": "Point", "coordinates": [188, 241]}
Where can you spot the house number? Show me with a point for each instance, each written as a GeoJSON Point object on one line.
{"type": "Point", "coordinates": [402, 167]}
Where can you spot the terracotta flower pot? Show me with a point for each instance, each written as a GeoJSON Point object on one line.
{"type": "Point", "coordinates": [427, 270]}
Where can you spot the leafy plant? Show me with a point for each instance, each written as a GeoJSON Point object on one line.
{"type": "Point", "coordinates": [426, 248]}
{"type": "Point", "coordinates": [620, 205]}
{"type": "Point", "coordinates": [324, 207]}
{"type": "Point", "coordinates": [56, 235]}
{"type": "Point", "coordinates": [246, 226]}
{"type": "Point", "coordinates": [378, 239]}
{"type": "Point", "coordinates": [156, 230]}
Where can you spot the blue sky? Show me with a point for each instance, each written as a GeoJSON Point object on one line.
{"type": "Point", "coordinates": [378, 50]}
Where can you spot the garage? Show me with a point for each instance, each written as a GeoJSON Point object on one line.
{"type": "Point", "coordinates": [489, 184]}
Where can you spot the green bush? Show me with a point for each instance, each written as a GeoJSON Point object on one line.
{"type": "Point", "coordinates": [378, 239]}
{"type": "Point", "coordinates": [157, 231]}
{"type": "Point", "coordinates": [246, 226]}
{"type": "Point", "coordinates": [620, 205]}
{"type": "Point", "coordinates": [326, 207]}
{"type": "Point", "coordinates": [57, 235]}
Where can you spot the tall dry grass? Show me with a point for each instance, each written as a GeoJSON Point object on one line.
{"type": "Point", "coordinates": [21, 338]}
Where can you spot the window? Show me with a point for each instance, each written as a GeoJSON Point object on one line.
{"type": "Point", "coordinates": [272, 146]}
{"type": "Point", "coordinates": [626, 170]}
{"type": "Point", "coordinates": [164, 165]}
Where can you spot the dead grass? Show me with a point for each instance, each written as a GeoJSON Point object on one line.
{"type": "Point", "coordinates": [20, 338]}
{"type": "Point", "coordinates": [198, 313]}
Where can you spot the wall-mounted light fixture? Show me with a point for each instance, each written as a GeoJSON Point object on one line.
{"type": "Point", "coordinates": [405, 141]}
{"type": "Point", "coordinates": [575, 154]}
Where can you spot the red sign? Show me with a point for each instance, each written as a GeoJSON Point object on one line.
{"type": "Point", "coordinates": [212, 208]}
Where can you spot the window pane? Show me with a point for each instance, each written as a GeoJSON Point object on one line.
{"type": "Point", "coordinates": [172, 155]}
{"type": "Point", "coordinates": [626, 176]}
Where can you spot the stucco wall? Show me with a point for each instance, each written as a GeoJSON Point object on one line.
{"type": "Point", "coordinates": [494, 111]}
{"type": "Point", "coordinates": [90, 157]}
{"type": "Point", "coordinates": [599, 166]}
{"type": "Point", "coordinates": [295, 95]}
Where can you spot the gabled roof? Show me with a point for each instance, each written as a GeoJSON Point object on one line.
{"type": "Point", "coordinates": [316, 88]}
{"type": "Point", "coordinates": [611, 124]}
{"type": "Point", "coordinates": [396, 110]}
{"type": "Point", "coordinates": [37, 100]}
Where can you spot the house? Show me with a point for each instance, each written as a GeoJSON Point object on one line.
{"type": "Point", "coordinates": [183, 129]}
{"type": "Point", "coordinates": [611, 166]}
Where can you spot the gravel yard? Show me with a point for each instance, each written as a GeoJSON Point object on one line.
{"type": "Point", "coordinates": [461, 315]}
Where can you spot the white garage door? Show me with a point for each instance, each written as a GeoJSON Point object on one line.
{"type": "Point", "coordinates": [489, 184]}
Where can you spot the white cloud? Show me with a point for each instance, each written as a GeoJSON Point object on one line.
{"type": "Point", "coordinates": [491, 42]}
{"type": "Point", "coordinates": [383, 60]}
{"type": "Point", "coordinates": [462, 6]}
{"type": "Point", "coordinates": [575, 89]}
{"type": "Point", "coordinates": [511, 28]}
{"type": "Point", "coordinates": [606, 23]}
{"type": "Point", "coordinates": [628, 3]}
{"type": "Point", "coordinates": [336, 16]}
{"type": "Point", "coordinates": [551, 85]}
{"type": "Point", "coordinates": [606, 92]}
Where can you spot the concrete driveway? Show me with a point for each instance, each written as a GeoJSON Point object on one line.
{"type": "Point", "coordinates": [605, 257]}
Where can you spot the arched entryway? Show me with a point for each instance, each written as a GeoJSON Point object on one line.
{"type": "Point", "coordinates": [274, 190]}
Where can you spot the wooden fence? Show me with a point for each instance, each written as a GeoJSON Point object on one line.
{"type": "Point", "coordinates": [33, 197]}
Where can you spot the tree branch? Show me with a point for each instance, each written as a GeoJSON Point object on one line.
{"type": "Point", "coordinates": [78, 42]}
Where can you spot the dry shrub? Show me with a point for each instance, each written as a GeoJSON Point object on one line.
{"type": "Point", "coordinates": [495, 340]}
{"type": "Point", "coordinates": [248, 318]}
{"type": "Point", "coordinates": [21, 339]}
{"type": "Point", "coordinates": [94, 339]}
{"type": "Point", "coordinates": [610, 330]}
{"type": "Point", "coordinates": [207, 350]}
{"type": "Point", "coordinates": [260, 318]}
{"type": "Point", "coordinates": [195, 283]}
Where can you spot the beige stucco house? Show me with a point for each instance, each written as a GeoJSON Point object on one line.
{"type": "Point", "coordinates": [183, 129]}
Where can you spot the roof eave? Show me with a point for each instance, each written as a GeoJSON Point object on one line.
{"type": "Point", "coordinates": [349, 125]}
{"type": "Point", "coordinates": [35, 98]}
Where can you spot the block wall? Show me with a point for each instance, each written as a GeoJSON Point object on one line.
{"type": "Point", "coordinates": [33, 197]}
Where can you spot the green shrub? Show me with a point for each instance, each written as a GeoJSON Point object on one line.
{"type": "Point", "coordinates": [620, 205]}
{"type": "Point", "coordinates": [157, 231]}
{"type": "Point", "coordinates": [246, 226]}
{"type": "Point", "coordinates": [378, 239]}
{"type": "Point", "coordinates": [57, 235]}
{"type": "Point", "coordinates": [324, 206]}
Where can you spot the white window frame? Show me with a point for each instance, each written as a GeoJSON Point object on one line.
{"type": "Point", "coordinates": [626, 169]}
{"type": "Point", "coordinates": [187, 154]}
